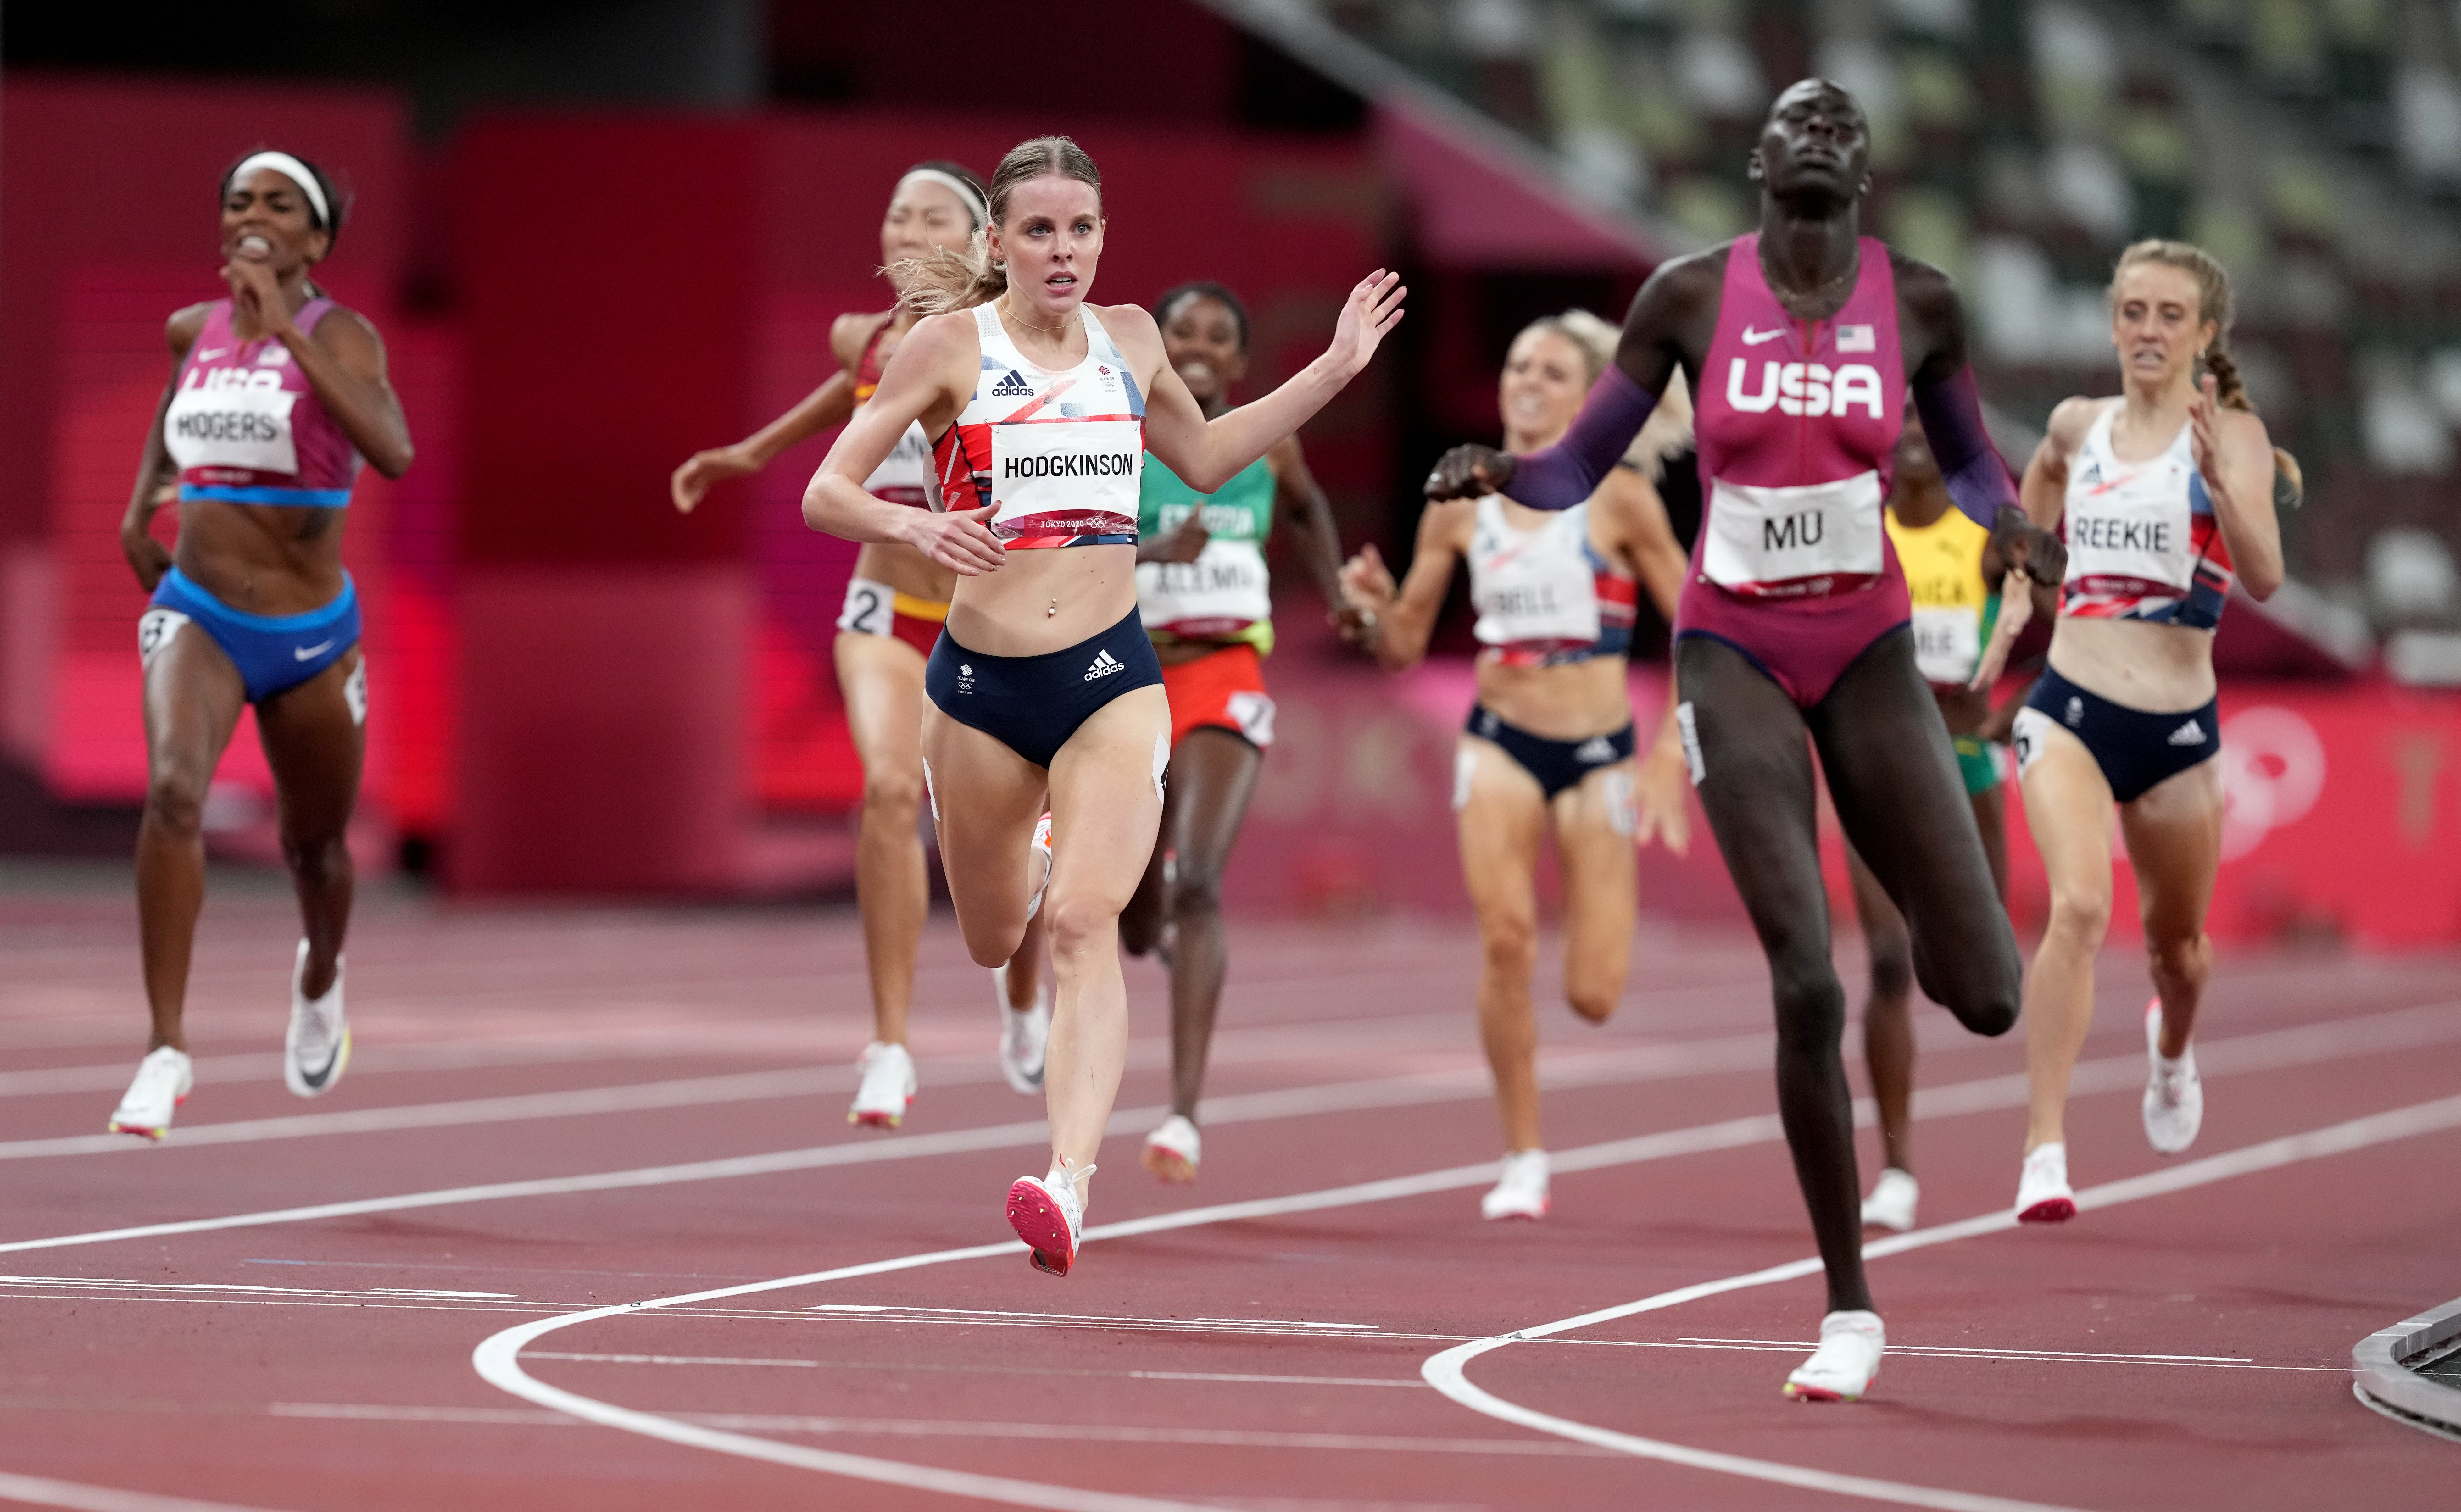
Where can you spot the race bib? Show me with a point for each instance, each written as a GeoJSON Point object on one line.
{"type": "Point", "coordinates": [1948, 644]}
{"type": "Point", "coordinates": [905, 475]}
{"type": "Point", "coordinates": [242, 425]}
{"type": "Point", "coordinates": [1802, 541]}
{"type": "Point", "coordinates": [1220, 593]}
{"type": "Point", "coordinates": [1066, 477]}
{"type": "Point", "coordinates": [870, 608]}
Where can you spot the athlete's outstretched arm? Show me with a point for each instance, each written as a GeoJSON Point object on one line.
{"type": "Point", "coordinates": [2045, 491]}
{"type": "Point", "coordinates": [1207, 454]}
{"type": "Point", "coordinates": [826, 406]}
{"type": "Point", "coordinates": [158, 478]}
{"type": "Point", "coordinates": [1662, 316]}
{"type": "Point", "coordinates": [928, 380]}
{"type": "Point", "coordinates": [1400, 621]}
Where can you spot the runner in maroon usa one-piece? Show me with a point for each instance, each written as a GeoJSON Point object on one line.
{"type": "Point", "coordinates": [1800, 343]}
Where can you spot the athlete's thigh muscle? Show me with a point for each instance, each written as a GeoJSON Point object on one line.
{"type": "Point", "coordinates": [1893, 776]}
{"type": "Point", "coordinates": [1212, 775]}
{"type": "Point", "coordinates": [1754, 781]}
{"type": "Point", "coordinates": [2069, 812]}
{"type": "Point", "coordinates": [193, 698]}
{"type": "Point", "coordinates": [882, 679]}
{"type": "Point", "coordinates": [315, 740]}
{"type": "Point", "coordinates": [1594, 846]}
{"type": "Point", "coordinates": [1106, 801]}
{"type": "Point", "coordinates": [1883, 926]}
{"type": "Point", "coordinates": [2174, 846]}
{"type": "Point", "coordinates": [985, 799]}
{"type": "Point", "coordinates": [1501, 817]}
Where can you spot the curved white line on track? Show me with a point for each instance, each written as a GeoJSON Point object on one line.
{"type": "Point", "coordinates": [39, 1491]}
{"type": "Point", "coordinates": [1446, 1370]}
{"type": "Point", "coordinates": [498, 1358]}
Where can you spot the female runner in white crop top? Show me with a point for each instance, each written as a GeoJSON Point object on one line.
{"type": "Point", "coordinates": [2166, 490]}
{"type": "Point", "coordinates": [1548, 745]}
{"type": "Point", "coordinates": [894, 604]}
{"type": "Point", "coordinates": [1044, 692]}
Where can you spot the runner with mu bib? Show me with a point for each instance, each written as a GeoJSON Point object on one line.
{"type": "Point", "coordinates": [1207, 603]}
{"type": "Point", "coordinates": [1800, 342]}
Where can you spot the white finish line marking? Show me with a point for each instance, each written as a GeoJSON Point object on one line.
{"type": "Point", "coordinates": [498, 1359]}
{"type": "Point", "coordinates": [1446, 1370]}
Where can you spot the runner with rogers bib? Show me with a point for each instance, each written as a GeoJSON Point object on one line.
{"type": "Point", "coordinates": [1800, 343]}
{"type": "Point", "coordinates": [1044, 692]}
{"type": "Point", "coordinates": [1207, 603]}
{"type": "Point", "coordinates": [1549, 744]}
{"type": "Point", "coordinates": [894, 604]}
{"type": "Point", "coordinates": [277, 396]}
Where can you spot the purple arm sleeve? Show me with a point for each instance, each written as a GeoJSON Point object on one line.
{"type": "Point", "coordinates": [1560, 475]}
{"type": "Point", "coordinates": [1952, 421]}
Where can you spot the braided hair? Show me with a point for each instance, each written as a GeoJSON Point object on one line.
{"type": "Point", "coordinates": [2214, 304]}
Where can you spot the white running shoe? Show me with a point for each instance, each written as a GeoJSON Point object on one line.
{"type": "Point", "coordinates": [1023, 1036]}
{"type": "Point", "coordinates": [162, 1081]}
{"type": "Point", "coordinates": [317, 1049]}
{"type": "Point", "coordinates": [888, 1087]}
{"type": "Point", "coordinates": [2174, 1099]}
{"type": "Point", "coordinates": [1042, 849]}
{"type": "Point", "coordinates": [2043, 1192]}
{"type": "Point", "coordinates": [1841, 1369]}
{"type": "Point", "coordinates": [1892, 1202]}
{"type": "Point", "coordinates": [1049, 1214]}
{"type": "Point", "coordinates": [1521, 1192]}
{"type": "Point", "coordinates": [1173, 1151]}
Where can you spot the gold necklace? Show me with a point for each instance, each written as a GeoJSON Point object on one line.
{"type": "Point", "coordinates": [1815, 290]}
{"type": "Point", "coordinates": [1050, 334]}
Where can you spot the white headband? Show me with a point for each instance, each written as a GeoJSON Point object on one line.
{"type": "Point", "coordinates": [292, 169]}
{"type": "Point", "coordinates": [964, 191]}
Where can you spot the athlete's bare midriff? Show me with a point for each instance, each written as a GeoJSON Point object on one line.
{"type": "Point", "coordinates": [904, 570]}
{"type": "Point", "coordinates": [2136, 664]}
{"type": "Point", "coordinates": [1045, 600]}
{"type": "Point", "coordinates": [1570, 701]}
{"type": "Point", "coordinates": [262, 559]}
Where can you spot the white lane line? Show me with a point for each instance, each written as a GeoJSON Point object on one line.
{"type": "Point", "coordinates": [1104, 1433]}
{"type": "Point", "coordinates": [1446, 1371]}
{"type": "Point", "coordinates": [2003, 1354]}
{"type": "Point", "coordinates": [1020, 1315]}
{"type": "Point", "coordinates": [1411, 1382]}
{"type": "Point", "coordinates": [2433, 1022]}
{"type": "Point", "coordinates": [38, 1491]}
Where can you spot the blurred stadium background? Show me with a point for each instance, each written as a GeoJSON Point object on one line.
{"type": "Point", "coordinates": [598, 237]}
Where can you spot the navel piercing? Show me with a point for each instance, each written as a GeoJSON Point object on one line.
{"type": "Point", "coordinates": [1054, 610]}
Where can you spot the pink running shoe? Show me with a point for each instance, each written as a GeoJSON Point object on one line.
{"type": "Point", "coordinates": [1049, 1215]}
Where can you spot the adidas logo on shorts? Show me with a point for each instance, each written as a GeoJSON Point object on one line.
{"type": "Point", "coordinates": [1594, 751]}
{"type": "Point", "coordinates": [1104, 665]}
{"type": "Point", "coordinates": [1012, 387]}
{"type": "Point", "coordinates": [2191, 733]}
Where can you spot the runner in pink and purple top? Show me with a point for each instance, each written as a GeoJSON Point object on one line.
{"type": "Point", "coordinates": [276, 398]}
{"type": "Point", "coordinates": [1801, 343]}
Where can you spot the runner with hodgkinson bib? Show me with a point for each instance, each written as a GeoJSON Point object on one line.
{"type": "Point", "coordinates": [1044, 691]}
{"type": "Point", "coordinates": [276, 396]}
{"type": "Point", "coordinates": [2166, 492]}
{"type": "Point", "coordinates": [1548, 747]}
{"type": "Point", "coordinates": [1799, 343]}
{"type": "Point", "coordinates": [1207, 604]}
{"type": "Point", "coordinates": [894, 604]}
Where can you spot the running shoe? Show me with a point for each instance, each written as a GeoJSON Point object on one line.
{"type": "Point", "coordinates": [1042, 849]}
{"type": "Point", "coordinates": [1521, 1190]}
{"type": "Point", "coordinates": [2174, 1099]}
{"type": "Point", "coordinates": [1023, 1033]}
{"type": "Point", "coordinates": [1892, 1202]}
{"type": "Point", "coordinates": [317, 1049]}
{"type": "Point", "coordinates": [1842, 1369]}
{"type": "Point", "coordinates": [2043, 1193]}
{"type": "Point", "coordinates": [1173, 1151]}
{"type": "Point", "coordinates": [888, 1087]}
{"type": "Point", "coordinates": [162, 1081]}
{"type": "Point", "coordinates": [1048, 1213]}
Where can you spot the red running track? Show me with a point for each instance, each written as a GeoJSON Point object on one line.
{"type": "Point", "coordinates": [390, 1298]}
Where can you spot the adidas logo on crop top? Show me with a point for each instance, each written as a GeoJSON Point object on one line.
{"type": "Point", "coordinates": [245, 428]}
{"type": "Point", "coordinates": [2143, 540]}
{"type": "Point", "coordinates": [1056, 455]}
{"type": "Point", "coordinates": [1546, 596]}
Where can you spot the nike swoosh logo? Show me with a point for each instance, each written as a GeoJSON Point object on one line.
{"type": "Point", "coordinates": [305, 652]}
{"type": "Point", "coordinates": [210, 354]}
{"type": "Point", "coordinates": [316, 1079]}
{"type": "Point", "coordinates": [1754, 338]}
